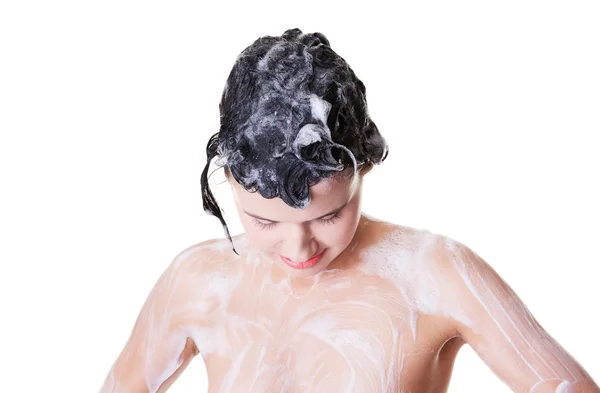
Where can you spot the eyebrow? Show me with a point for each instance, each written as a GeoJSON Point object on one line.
{"type": "Point", "coordinates": [317, 218]}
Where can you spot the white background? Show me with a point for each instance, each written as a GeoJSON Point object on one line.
{"type": "Point", "coordinates": [491, 110]}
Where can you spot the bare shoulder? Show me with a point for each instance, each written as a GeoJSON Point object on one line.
{"type": "Point", "coordinates": [207, 255]}
{"type": "Point", "coordinates": [404, 256]}
{"type": "Point", "coordinates": [412, 246]}
{"type": "Point", "coordinates": [407, 257]}
{"type": "Point", "coordinates": [491, 317]}
{"type": "Point", "coordinates": [384, 237]}
{"type": "Point", "coordinates": [162, 340]}
{"type": "Point", "coordinates": [205, 273]}
{"type": "Point", "coordinates": [469, 285]}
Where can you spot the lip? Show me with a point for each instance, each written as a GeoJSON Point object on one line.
{"type": "Point", "coordinates": [303, 265]}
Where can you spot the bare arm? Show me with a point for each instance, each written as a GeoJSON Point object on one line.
{"type": "Point", "coordinates": [503, 332]}
{"type": "Point", "coordinates": [189, 352]}
{"type": "Point", "coordinates": [159, 347]}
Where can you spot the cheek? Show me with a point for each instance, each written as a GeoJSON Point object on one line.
{"type": "Point", "coordinates": [335, 235]}
{"type": "Point", "coordinates": [350, 222]}
{"type": "Point", "coordinates": [341, 232]}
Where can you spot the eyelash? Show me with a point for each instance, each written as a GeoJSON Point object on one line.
{"type": "Point", "coordinates": [327, 221]}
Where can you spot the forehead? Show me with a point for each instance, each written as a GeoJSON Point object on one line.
{"type": "Point", "coordinates": [325, 196]}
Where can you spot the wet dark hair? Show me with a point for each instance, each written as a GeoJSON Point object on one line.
{"type": "Point", "coordinates": [292, 113]}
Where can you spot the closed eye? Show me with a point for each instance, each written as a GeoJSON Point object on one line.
{"type": "Point", "coordinates": [332, 219]}
{"type": "Point", "coordinates": [269, 225]}
{"type": "Point", "coordinates": [262, 225]}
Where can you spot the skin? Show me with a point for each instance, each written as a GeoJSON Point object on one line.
{"type": "Point", "coordinates": [386, 309]}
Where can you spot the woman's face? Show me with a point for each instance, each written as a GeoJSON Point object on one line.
{"type": "Point", "coordinates": [303, 242]}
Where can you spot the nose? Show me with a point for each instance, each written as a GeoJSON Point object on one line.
{"type": "Point", "coordinates": [299, 244]}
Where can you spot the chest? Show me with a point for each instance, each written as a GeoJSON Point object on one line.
{"type": "Point", "coordinates": [350, 334]}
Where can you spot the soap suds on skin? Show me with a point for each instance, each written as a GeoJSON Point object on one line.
{"type": "Point", "coordinates": [331, 333]}
{"type": "Point", "coordinates": [507, 321]}
{"type": "Point", "coordinates": [404, 259]}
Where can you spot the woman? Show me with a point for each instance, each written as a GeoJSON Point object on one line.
{"type": "Point", "coordinates": [316, 296]}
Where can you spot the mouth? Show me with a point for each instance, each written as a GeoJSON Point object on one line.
{"type": "Point", "coordinates": [303, 265]}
